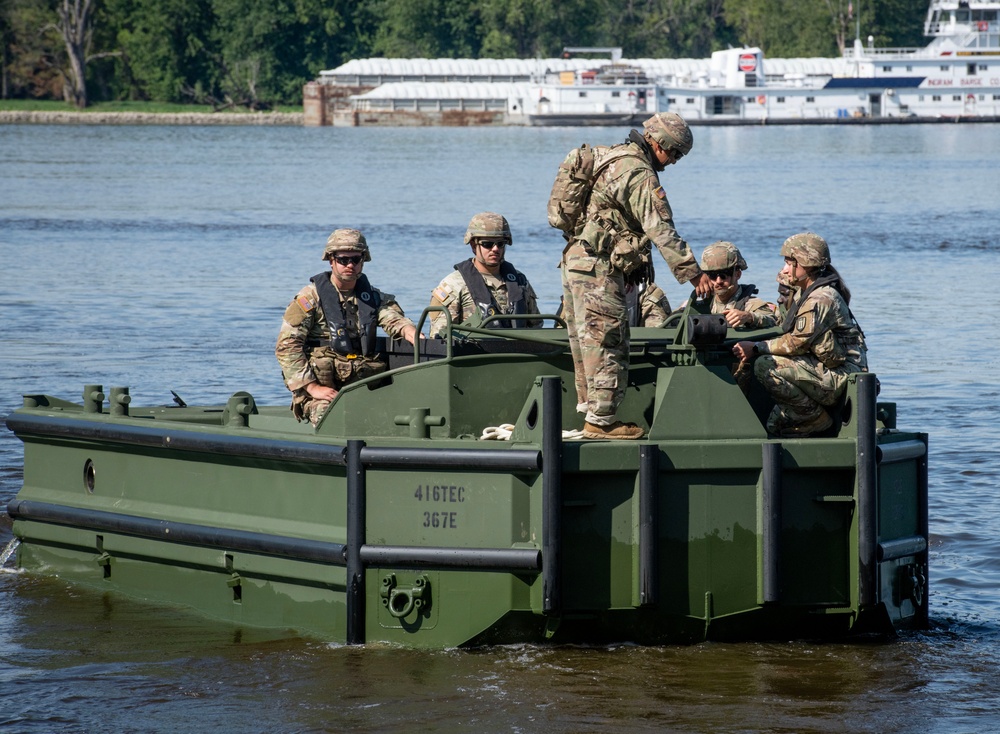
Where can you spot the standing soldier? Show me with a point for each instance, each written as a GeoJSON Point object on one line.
{"type": "Point", "coordinates": [627, 209]}
{"type": "Point", "coordinates": [724, 265]}
{"type": "Point", "coordinates": [327, 338]}
{"type": "Point", "coordinates": [807, 367]}
{"type": "Point", "coordinates": [485, 284]}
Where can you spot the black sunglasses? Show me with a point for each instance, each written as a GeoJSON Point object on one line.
{"type": "Point", "coordinates": [491, 244]}
{"type": "Point", "coordinates": [713, 274]}
{"type": "Point", "coordinates": [348, 259]}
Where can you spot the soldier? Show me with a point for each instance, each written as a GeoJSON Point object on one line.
{"type": "Point", "coordinates": [724, 265]}
{"type": "Point", "coordinates": [807, 367]}
{"type": "Point", "coordinates": [485, 284]}
{"type": "Point", "coordinates": [647, 305]}
{"type": "Point", "coordinates": [627, 212]}
{"type": "Point", "coordinates": [327, 338]}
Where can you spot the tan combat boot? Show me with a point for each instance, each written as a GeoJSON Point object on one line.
{"type": "Point", "coordinates": [617, 431]}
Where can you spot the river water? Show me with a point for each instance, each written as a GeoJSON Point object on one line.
{"type": "Point", "coordinates": [162, 258]}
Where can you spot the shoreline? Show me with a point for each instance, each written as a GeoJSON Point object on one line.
{"type": "Point", "coordinates": [36, 117]}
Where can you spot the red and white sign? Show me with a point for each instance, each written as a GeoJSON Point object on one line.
{"type": "Point", "coordinates": [748, 62]}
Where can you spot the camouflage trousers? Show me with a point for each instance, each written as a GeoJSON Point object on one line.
{"type": "Point", "coordinates": [801, 386]}
{"type": "Point", "coordinates": [332, 370]}
{"type": "Point", "coordinates": [595, 313]}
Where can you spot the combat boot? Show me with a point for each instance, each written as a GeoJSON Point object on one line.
{"type": "Point", "coordinates": [617, 431]}
{"type": "Point", "coordinates": [820, 423]}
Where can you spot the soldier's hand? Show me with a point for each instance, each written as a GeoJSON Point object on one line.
{"type": "Point", "coordinates": [743, 350]}
{"type": "Point", "coordinates": [410, 333]}
{"type": "Point", "coordinates": [320, 392]}
{"type": "Point", "coordinates": [737, 318]}
{"type": "Point", "coordinates": [702, 285]}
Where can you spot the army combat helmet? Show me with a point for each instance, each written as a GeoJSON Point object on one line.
{"type": "Point", "coordinates": [488, 225]}
{"type": "Point", "coordinates": [670, 132]}
{"type": "Point", "coordinates": [722, 255]}
{"type": "Point", "coordinates": [346, 240]}
{"type": "Point", "coordinates": [807, 249]}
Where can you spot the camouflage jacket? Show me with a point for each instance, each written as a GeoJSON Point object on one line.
{"type": "Point", "coordinates": [454, 294]}
{"type": "Point", "coordinates": [629, 194]}
{"type": "Point", "coordinates": [743, 299]}
{"type": "Point", "coordinates": [304, 325]}
{"type": "Point", "coordinates": [651, 307]}
{"type": "Point", "coordinates": [825, 329]}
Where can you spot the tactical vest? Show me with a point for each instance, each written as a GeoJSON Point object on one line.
{"type": "Point", "coordinates": [341, 340]}
{"type": "Point", "coordinates": [746, 292]}
{"type": "Point", "coordinates": [486, 304]}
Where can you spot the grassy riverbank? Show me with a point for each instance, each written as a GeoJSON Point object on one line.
{"type": "Point", "coordinates": [49, 112]}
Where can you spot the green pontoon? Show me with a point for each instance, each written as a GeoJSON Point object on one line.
{"type": "Point", "coordinates": [392, 521]}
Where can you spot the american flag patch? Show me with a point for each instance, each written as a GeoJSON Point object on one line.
{"type": "Point", "coordinates": [660, 193]}
{"type": "Point", "coordinates": [305, 303]}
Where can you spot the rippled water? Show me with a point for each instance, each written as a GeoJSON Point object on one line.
{"type": "Point", "coordinates": [162, 258]}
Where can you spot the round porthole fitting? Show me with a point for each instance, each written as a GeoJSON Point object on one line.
{"type": "Point", "coordinates": [88, 476]}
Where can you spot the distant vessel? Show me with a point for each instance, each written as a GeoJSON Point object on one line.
{"type": "Point", "coordinates": [955, 77]}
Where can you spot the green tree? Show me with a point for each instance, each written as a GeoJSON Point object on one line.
{"type": "Point", "coordinates": [267, 49]}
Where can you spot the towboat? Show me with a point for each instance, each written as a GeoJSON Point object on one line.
{"type": "Point", "coordinates": [955, 77]}
{"type": "Point", "coordinates": [447, 502]}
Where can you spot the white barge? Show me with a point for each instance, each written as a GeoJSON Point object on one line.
{"type": "Point", "coordinates": [956, 77]}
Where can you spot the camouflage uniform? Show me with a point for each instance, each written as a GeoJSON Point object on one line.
{"type": "Point", "coordinates": [627, 194]}
{"type": "Point", "coordinates": [454, 294]}
{"type": "Point", "coordinates": [724, 255]}
{"type": "Point", "coordinates": [459, 291]}
{"type": "Point", "coordinates": [304, 348]}
{"type": "Point", "coordinates": [652, 308]}
{"type": "Point", "coordinates": [744, 299]}
{"type": "Point", "coordinates": [807, 367]}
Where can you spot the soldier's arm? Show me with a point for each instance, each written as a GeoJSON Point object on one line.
{"type": "Point", "coordinates": [445, 295]}
{"type": "Point", "coordinates": [649, 205]}
{"type": "Point", "coordinates": [531, 304]}
{"type": "Point", "coordinates": [299, 318]}
{"type": "Point", "coordinates": [393, 321]}
{"type": "Point", "coordinates": [807, 329]}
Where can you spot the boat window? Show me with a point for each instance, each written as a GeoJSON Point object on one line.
{"type": "Point", "coordinates": [970, 69]}
{"type": "Point", "coordinates": [780, 100]}
{"type": "Point", "coordinates": [810, 99]}
{"type": "Point", "coordinates": [886, 68]}
{"type": "Point", "coordinates": [583, 94]}
{"type": "Point", "coordinates": [616, 94]}
{"type": "Point", "coordinates": [944, 68]}
{"type": "Point", "coordinates": [909, 68]}
{"type": "Point", "coordinates": [956, 98]}
{"type": "Point", "coordinates": [936, 98]}
{"type": "Point", "coordinates": [963, 16]}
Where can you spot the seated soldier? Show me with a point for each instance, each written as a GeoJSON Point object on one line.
{"type": "Point", "coordinates": [485, 284]}
{"type": "Point", "coordinates": [805, 369]}
{"type": "Point", "coordinates": [723, 264]}
{"type": "Point", "coordinates": [327, 338]}
{"type": "Point", "coordinates": [647, 305]}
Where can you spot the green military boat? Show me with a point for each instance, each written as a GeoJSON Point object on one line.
{"type": "Point", "coordinates": [392, 522]}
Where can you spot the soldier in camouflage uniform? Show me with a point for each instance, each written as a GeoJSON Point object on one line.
{"type": "Point", "coordinates": [627, 212]}
{"type": "Point", "coordinates": [647, 305]}
{"type": "Point", "coordinates": [327, 338]}
{"type": "Point", "coordinates": [724, 265]}
{"type": "Point", "coordinates": [806, 369]}
{"type": "Point", "coordinates": [485, 284]}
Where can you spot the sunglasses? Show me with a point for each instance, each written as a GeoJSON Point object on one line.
{"type": "Point", "coordinates": [348, 259]}
{"type": "Point", "coordinates": [677, 154]}
{"type": "Point", "coordinates": [713, 274]}
{"type": "Point", "coordinates": [492, 244]}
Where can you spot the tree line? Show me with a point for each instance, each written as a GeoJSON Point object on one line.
{"type": "Point", "coordinates": [259, 53]}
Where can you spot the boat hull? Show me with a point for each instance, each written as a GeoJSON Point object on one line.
{"type": "Point", "coordinates": [418, 534]}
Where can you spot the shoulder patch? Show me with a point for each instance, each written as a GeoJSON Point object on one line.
{"type": "Point", "coordinates": [660, 193]}
{"type": "Point", "coordinates": [295, 314]}
{"type": "Point", "coordinates": [305, 303]}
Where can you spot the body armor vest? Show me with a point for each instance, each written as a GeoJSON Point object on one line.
{"type": "Point", "coordinates": [341, 340]}
{"type": "Point", "coordinates": [485, 302]}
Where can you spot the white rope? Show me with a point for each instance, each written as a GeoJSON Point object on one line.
{"type": "Point", "coordinates": [504, 430]}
